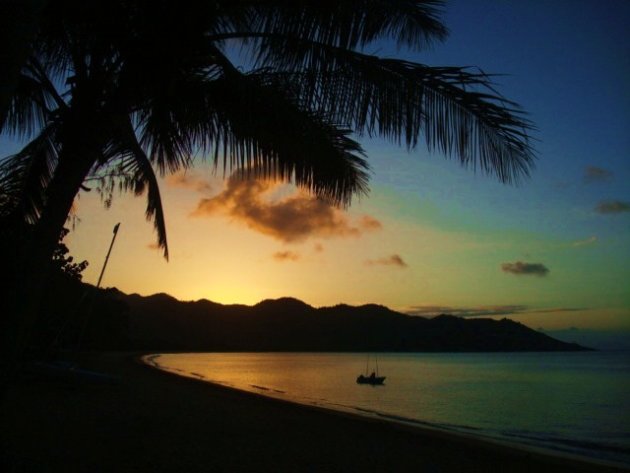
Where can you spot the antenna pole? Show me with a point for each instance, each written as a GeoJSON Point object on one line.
{"type": "Point", "coordinates": [111, 245]}
{"type": "Point", "coordinates": [98, 284]}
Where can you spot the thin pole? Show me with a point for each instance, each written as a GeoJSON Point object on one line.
{"type": "Point", "coordinates": [98, 284]}
{"type": "Point", "coordinates": [111, 245]}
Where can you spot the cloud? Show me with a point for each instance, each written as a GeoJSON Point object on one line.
{"type": "Point", "coordinates": [265, 207]}
{"type": "Point", "coordinates": [393, 260]}
{"type": "Point", "coordinates": [484, 311]}
{"type": "Point", "coordinates": [188, 181]}
{"type": "Point", "coordinates": [557, 309]}
{"type": "Point", "coordinates": [596, 174]}
{"type": "Point", "coordinates": [612, 207]}
{"type": "Point", "coordinates": [519, 268]}
{"type": "Point", "coordinates": [589, 241]}
{"type": "Point", "coordinates": [286, 256]}
{"type": "Point", "coordinates": [318, 247]}
{"type": "Point", "coordinates": [370, 223]}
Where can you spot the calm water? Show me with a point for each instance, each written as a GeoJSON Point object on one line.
{"type": "Point", "coordinates": [570, 402]}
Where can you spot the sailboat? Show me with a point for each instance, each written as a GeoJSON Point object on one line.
{"type": "Point", "coordinates": [373, 379]}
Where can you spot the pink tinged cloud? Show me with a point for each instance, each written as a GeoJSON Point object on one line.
{"type": "Point", "coordinates": [290, 219]}
{"type": "Point", "coordinates": [525, 269]}
{"type": "Point", "coordinates": [188, 181]}
{"type": "Point", "coordinates": [286, 256]}
{"type": "Point", "coordinates": [393, 260]}
{"type": "Point", "coordinates": [370, 223]}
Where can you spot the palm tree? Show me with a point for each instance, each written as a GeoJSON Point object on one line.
{"type": "Point", "coordinates": [120, 89]}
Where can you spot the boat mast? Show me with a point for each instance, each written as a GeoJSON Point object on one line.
{"type": "Point", "coordinates": [98, 285]}
{"type": "Point", "coordinates": [100, 278]}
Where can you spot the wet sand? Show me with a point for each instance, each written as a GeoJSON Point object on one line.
{"type": "Point", "coordinates": [150, 421]}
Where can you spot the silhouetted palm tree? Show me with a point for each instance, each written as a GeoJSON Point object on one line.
{"type": "Point", "coordinates": [119, 89]}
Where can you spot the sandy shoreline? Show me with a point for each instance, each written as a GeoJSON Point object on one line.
{"type": "Point", "coordinates": [150, 420]}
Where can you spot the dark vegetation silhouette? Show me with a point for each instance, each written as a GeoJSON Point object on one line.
{"type": "Point", "coordinates": [113, 92]}
{"type": "Point", "coordinates": [75, 313]}
{"type": "Point", "coordinates": [63, 263]}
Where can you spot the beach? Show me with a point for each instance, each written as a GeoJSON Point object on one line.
{"type": "Point", "coordinates": [142, 419]}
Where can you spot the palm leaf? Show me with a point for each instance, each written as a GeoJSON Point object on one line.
{"type": "Point", "coordinates": [24, 177]}
{"type": "Point", "coordinates": [289, 143]}
{"type": "Point", "coordinates": [28, 108]}
{"type": "Point", "coordinates": [247, 124]}
{"type": "Point", "coordinates": [349, 24]}
{"type": "Point", "coordinates": [456, 109]}
{"type": "Point", "coordinates": [135, 172]}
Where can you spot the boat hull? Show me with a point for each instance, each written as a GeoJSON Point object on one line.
{"type": "Point", "coordinates": [373, 380]}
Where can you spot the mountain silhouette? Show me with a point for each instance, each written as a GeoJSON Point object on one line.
{"type": "Point", "coordinates": [161, 322]}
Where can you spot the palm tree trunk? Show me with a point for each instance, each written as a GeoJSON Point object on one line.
{"type": "Point", "coordinates": [72, 170]}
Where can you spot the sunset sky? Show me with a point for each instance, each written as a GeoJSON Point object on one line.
{"type": "Point", "coordinates": [553, 252]}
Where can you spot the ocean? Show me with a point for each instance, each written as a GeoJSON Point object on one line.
{"type": "Point", "coordinates": [574, 403]}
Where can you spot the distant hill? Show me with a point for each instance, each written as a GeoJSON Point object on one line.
{"type": "Point", "coordinates": [161, 322]}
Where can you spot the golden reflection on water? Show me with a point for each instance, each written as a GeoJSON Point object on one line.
{"type": "Point", "coordinates": [281, 372]}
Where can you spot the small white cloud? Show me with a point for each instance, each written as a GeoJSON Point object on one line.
{"type": "Point", "coordinates": [589, 241]}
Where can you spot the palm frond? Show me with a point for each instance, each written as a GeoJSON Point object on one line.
{"type": "Point", "coordinates": [271, 135]}
{"type": "Point", "coordinates": [135, 173]}
{"type": "Point", "coordinates": [350, 24]}
{"type": "Point", "coordinates": [246, 124]}
{"type": "Point", "coordinates": [456, 109]}
{"type": "Point", "coordinates": [168, 127]}
{"type": "Point", "coordinates": [28, 108]}
{"type": "Point", "coordinates": [24, 177]}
